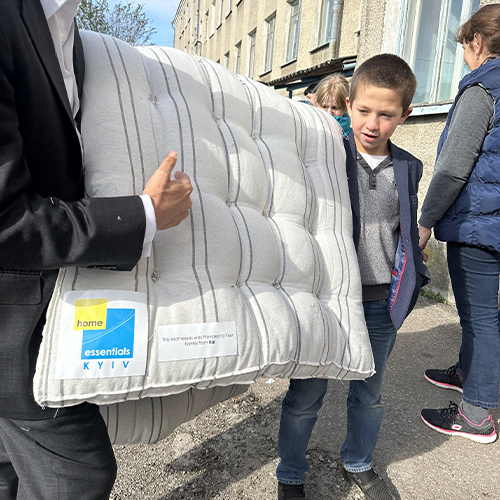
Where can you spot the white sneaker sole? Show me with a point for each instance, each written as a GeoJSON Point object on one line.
{"type": "Point", "coordinates": [444, 386]}
{"type": "Point", "coordinates": [478, 438]}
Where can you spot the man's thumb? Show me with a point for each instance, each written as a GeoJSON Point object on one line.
{"type": "Point", "coordinates": [168, 163]}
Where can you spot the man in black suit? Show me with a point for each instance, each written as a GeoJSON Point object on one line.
{"type": "Point", "coordinates": [45, 224]}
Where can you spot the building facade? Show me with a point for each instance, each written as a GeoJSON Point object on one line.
{"type": "Point", "coordinates": [289, 44]}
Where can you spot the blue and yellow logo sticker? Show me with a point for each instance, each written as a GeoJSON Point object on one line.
{"type": "Point", "coordinates": [91, 314]}
{"type": "Point", "coordinates": [107, 333]}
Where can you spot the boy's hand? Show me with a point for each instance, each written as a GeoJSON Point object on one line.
{"type": "Point", "coordinates": [424, 233]}
{"type": "Point", "coordinates": [171, 198]}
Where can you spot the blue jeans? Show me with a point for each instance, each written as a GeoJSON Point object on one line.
{"type": "Point", "coordinates": [474, 274]}
{"type": "Point", "coordinates": [364, 409]}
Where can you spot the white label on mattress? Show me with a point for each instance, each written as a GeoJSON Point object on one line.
{"type": "Point", "coordinates": [102, 333]}
{"type": "Point", "coordinates": [197, 340]}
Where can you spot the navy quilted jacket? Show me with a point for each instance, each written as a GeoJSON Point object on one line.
{"type": "Point", "coordinates": [474, 216]}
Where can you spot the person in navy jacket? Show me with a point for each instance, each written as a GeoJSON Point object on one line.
{"type": "Point", "coordinates": [463, 206]}
{"type": "Point", "coordinates": [383, 183]}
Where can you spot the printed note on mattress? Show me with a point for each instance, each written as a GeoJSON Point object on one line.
{"type": "Point", "coordinates": [103, 333]}
{"type": "Point", "coordinates": [197, 340]}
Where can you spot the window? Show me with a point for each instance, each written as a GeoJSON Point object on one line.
{"type": "Point", "coordinates": [326, 21]}
{"type": "Point", "coordinates": [251, 53]}
{"type": "Point", "coordinates": [221, 10]}
{"type": "Point", "coordinates": [294, 30]}
{"type": "Point", "coordinates": [270, 25]}
{"type": "Point", "coordinates": [205, 28]}
{"type": "Point", "coordinates": [429, 47]}
{"type": "Point", "coordinates": [226, 60]}
{"type": "Point", "coordinates": [212, 14]}
{"type": "Point", "coordinates": [237, 57]}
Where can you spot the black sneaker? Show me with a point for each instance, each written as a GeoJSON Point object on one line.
{"type": "Point", "coordinates": [447, 379]}
{"type": "Point", "coordinates": [370, 483]}
{"type": "Point", "coordinates": [452, 421]}
{"type": "Point", "coordinates": [291, 491]}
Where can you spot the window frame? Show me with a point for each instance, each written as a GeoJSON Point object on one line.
{"type": "Point", "coordinates": [221, 13]}
{"type": "Point", "coordinates": [292, 46]}
{"type": "Point", "coordinates": [251, 53]}
{"type": "Point", "coordinates": [408, 39]}
{"type": "Point", "coordinates": [237, 57]}
{"type": "Point", "coordinates": [212, 20]}
{"type": "Point", "coordinates": [325, 4]}
{"type": "Point", "coordinates": [270, 41]}
{"type": "Point", "coordinates": [207, 22]}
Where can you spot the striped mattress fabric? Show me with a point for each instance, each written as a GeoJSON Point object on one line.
{"type": "Point", "coordinates": [268, 243]}
{"type": "Point", "coordinates": [150, 420]}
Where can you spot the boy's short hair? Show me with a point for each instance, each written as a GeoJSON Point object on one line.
{"type": "Point", "coordinates": [387, 71]}
{"type": "Point", "coordinates": [310, 89]}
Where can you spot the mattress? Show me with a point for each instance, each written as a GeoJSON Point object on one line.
{"type": "Point", "coordinates": [260, 280]}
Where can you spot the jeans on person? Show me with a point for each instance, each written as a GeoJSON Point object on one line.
{"type": "Point", "coordinates": [298, 415]}
{"type": "Point", "coordinates": [364, 409]}
{"type": "Point", "coordinates": [474, 274]}
{"type": "Point", "coordinates": [364, 402]}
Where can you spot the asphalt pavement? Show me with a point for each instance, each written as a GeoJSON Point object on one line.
{"type": "Point", "coordinates": [229, 452]}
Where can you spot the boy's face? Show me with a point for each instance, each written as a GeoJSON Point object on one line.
{"type": "Point", "coordinates": [375, 113]}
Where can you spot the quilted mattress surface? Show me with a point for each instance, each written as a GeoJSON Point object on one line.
{"type": "Point", "coordinates": [262, 278]}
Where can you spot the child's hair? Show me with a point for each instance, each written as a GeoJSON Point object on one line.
{"type": "Point", "coordinates": [310, 89]}
{"type": "Point", "coordinates": [486, 22]}
{"type": "Point", "coordinates": [387, 71]}
{"type": "Point", "coordinates": [335, 86]}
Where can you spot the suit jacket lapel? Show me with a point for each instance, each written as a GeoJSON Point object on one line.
{"type": "Point", "coordinates": [34, 18]}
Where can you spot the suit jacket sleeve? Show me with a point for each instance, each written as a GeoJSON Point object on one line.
{"type": "Point", "coordinates": [40, 231]}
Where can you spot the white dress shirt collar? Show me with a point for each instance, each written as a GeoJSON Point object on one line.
{"type": "Point", "coordinates": [60, 15]}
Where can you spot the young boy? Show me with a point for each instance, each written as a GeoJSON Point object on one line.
{"type": "Point", "coordinates": [383, 184]}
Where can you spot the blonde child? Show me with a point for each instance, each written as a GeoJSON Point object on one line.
{"type": "Point", "coordinates": [331, 94]}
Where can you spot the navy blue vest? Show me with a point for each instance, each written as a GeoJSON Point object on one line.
{"type": "Point", "coordinates": [474, 217]}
